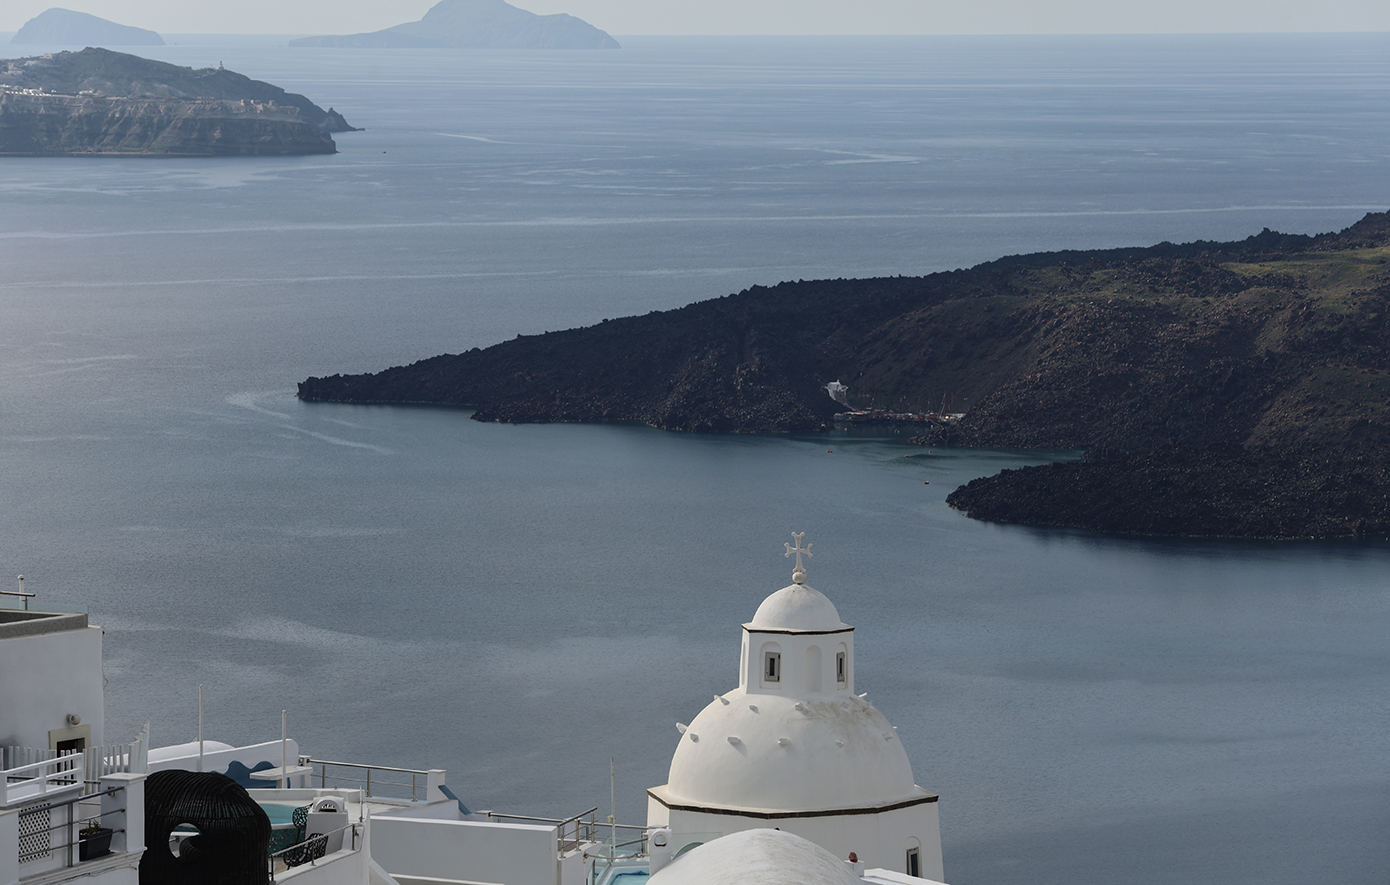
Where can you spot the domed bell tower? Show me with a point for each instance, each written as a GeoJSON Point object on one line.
{"type": "Point", "coordinates": [796, 643]}
{"type": "Point", "coordinates": [793, 747]}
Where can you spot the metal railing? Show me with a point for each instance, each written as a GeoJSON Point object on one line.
{"type": "Point", "coordinates": [41, 839]}
{"type": "Point", "coordinates": [365, 781]}
{"type": "Point", "coordinates": [614, 852]}
{"type": "Point", "coordinates": [584, 827]}
{"type": "Point", "coordinates": [569, 831]}
{"type": "Point", "coordinates": [311, 850]}
{"type": "Point", "coordinates": [20, 593]}
{"type": "Point", "coordinates": [634, 854]}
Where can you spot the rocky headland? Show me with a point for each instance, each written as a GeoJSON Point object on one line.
{"type": "Point", "coordinates": [477, 24]}
{"type": "Point", "coordinates": [102, 103]}
{"type": "Point", "coordinates": [1221, 389]}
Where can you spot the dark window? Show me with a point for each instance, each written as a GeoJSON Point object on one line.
{"type": "Point", "coordinates": [914, 865]}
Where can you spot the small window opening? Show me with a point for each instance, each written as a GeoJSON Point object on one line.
{"type": "Point", "coordinates": [840, 668]}
{"type": "Point", "coordinates": [914, 863]}
{"type": "Point", "coordinates": [76, 745]}
{"type": "Point", "coordinates": [772, 666]}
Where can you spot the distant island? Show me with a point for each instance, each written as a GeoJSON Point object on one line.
{"type": "Point", "coordinates": [63, 27]}
{"type": "Point", "coordinates": [1221, 389]}
{"type": "Point", "coordinates": [477, 24]}
{"type": "Point", "coordinates": [102, 103]}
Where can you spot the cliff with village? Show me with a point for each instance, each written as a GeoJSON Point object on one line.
{"type": "Point", "coordinates": [102, 103]}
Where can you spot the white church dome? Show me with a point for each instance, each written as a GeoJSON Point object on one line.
{"type": "Point", "coordinates": [797, 607]}
{"type": "Point", "coordinates": [765, 856]}
{"type": "Point", "coordinates": [765, 753]}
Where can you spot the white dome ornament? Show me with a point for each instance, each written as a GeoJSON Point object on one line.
{"type": "Point", "coordinates": [799, 572]}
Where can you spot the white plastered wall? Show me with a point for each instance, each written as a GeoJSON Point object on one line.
{"type": "Point", "coordinates": [46, 677]}
{"type": "Point", "coordinates": [478, 851]}
{"type": "Point", "coordinates": [797, 654]}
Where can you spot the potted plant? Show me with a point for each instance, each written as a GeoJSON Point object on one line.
{"type": "Point", "coordinates": [93, 841]}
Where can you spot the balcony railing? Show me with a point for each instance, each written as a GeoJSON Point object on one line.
{"type": "Point", "coordinates": [50, 832]}
{"type": "Point", "coordinates": [313, 849]}
{"type": "Point", "coordinates": [583, 829]}
{"type": "Point", "coordinates": [34, 771]}
{"type": "Point", "coordinates": [375, 781]}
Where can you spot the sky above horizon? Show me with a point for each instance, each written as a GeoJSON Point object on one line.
{"type": "Point", "coordinates": [755, 17]}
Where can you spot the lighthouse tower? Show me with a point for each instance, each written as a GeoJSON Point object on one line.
{"type": "Point", "coordinates": [794, 748]}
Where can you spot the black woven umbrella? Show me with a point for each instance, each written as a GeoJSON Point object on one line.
{"type": "Point", "coordinates": [233, 840]}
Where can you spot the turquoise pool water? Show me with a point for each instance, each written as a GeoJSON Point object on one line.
{"type": "Point", "coordinates": [279, 814]}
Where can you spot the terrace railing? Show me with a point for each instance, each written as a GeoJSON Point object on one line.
{"type": "Point", "coordinates": [375, 781]}
{"type": "Point", "coordinates": [584, 829]}
{"type": "Point", "coordinates": [48, 772]}
{"type": "Point", "coordinates": [36, 770]}
{"type": "Point", "coordinates": [313, 849]}
{"type": "Point", "coordinates": [48, 832]}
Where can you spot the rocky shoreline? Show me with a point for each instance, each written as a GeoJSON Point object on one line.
{"type": "Point", "coordinates": [1205, 491]}
{"type": "Point", "coordinates": [1223, 389]}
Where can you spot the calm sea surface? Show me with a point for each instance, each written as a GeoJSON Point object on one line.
{"type": "Point", "coordinates": [519, 604]}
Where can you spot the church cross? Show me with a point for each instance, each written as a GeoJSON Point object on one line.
{"type": "Point", "coordinates": [799, 572]}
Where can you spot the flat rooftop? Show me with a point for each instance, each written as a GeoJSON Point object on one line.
{"type": "Point", "coordinates": [28, 623]}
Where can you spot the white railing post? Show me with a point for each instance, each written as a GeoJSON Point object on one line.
{"type": "Point", "coordinates": [128, 803]}
{"type": "Point", "coordinates": [9, 847]}
{"type": "Point", "coordinates": [434, 779]}
{"type": "Point", "coordinates": [140, 751]}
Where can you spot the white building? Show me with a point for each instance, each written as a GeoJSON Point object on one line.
{"type": "Point", "coordinates": [790, 772]}
{"type": "Point", "coordinates": [793, 748]}
{"type": "Point", "coordinates": [50, 669]}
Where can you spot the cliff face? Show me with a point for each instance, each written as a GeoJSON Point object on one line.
{"type": "Point", "coordinates": [1263, 363]}
{"type": "Point", "coordinates": [64, 125]}
{"type": "Point", "coordinates": [1288, 349]}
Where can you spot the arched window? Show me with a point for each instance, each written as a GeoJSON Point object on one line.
{"type": "Point", "coordinates": [914, 858]}
{"type": "Point", "coordinates": [772, 664]}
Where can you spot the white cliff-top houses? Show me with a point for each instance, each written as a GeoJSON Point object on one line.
{"type": "Point", "coordinates": [778, 780]}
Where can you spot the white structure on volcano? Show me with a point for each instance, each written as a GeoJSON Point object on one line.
{"type": "Point", "coordinates": [794, 748]}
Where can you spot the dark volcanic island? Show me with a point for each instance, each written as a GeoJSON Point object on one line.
{"type": "Point", "coordinates": [102, 103]}
{"type": "Point", "coordinates": [1219, 389]}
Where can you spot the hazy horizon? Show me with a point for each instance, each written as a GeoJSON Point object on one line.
{"type": "Point", "coordinates": [759, 17]}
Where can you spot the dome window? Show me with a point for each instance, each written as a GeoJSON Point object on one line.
{"type": "Point", "coordinates": [772, 666]}
{"type": "Point", "coordinates": [841, 670]}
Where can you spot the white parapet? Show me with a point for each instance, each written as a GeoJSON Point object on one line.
{"type": "Point", "coordinates": [420, 849]}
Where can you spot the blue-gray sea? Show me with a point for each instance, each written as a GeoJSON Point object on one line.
{"type": "Point", "coordinates": [518, 604]}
